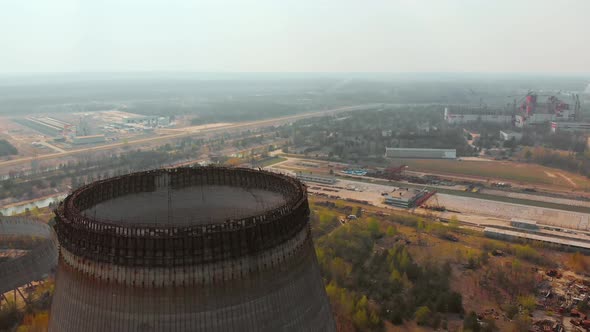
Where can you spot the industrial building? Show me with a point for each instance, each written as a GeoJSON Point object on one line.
{"type": "Point", "coordinates": [148, 120]}
{"type": "Point", "coordinates": [507, 135]}
{"type": "Point", "coordinates": [93, 139]}
{"type": "Point", "coordinates": [188, 249]}
{"type": "Point", "coordinates": [48, 125]}
{"type": "Point", "coordinates": [570, 126]}
{"type": "Point", "coordinates": [467, 115]}
{"type": "Point", "coordinates": [406, 198]}
{"type": "Point", "coordinates": [528, 110]}
{"type": "Point", "coordinates": [310, 177]}
{"type": "Point", "coordinates": [521, 121]}
{"type": "Point", "coordinates": [565, 243]}
{"type": "Point", "coordinates": [420, 153]}
{"type": "Point", "coordinates": [524, 224]}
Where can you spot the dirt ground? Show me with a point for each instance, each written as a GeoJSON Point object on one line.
{"type": "Point", "coordinates": [507, 211]}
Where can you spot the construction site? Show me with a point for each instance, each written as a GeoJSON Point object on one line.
{"type": "Point", "coordinates": [242, 263]}
{"type": "Point", "coordinates": [399, 187]}
{"type": "Point", "coordinates": [559, 293]}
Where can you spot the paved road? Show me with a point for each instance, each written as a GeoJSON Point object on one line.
{"type": "Point", "coordinates": [235, 126]}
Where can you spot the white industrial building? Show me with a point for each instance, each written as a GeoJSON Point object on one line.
{"type": "Point", "coordinates": [570, 126]}
{"type": "Point", "coordinates": [519, 120]}
{"type": "Point", "coordinates": [309, 177]}
{"type": "Point", "coordinates": [463, 117]}
{"type": "Point", "coordinates": [507, 135]}
{"type": "Point", "coordinates": [420, 153]}
{"type": "Point", "coordinates": [537, 118]}
{"type": "Point", "coordinates": [405, 198]}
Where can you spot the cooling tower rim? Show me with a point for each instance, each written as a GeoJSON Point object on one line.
{"type": "Point", "coordinates": [132, 244]}
{"type": "Point", "coordinates": [71, 214]}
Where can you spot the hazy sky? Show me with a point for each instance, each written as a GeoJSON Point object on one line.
{"type": "Point", "coordinates": [295, 36]}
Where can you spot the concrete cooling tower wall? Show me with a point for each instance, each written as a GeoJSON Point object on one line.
{"type": "Point", "coordinates": [189, 249]}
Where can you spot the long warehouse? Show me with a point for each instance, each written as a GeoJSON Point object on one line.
{"type": "Point", "coordinates": [420, 153]}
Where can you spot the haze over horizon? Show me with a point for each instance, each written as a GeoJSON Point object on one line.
{"type": "Point", "coordinates": [294, 36]}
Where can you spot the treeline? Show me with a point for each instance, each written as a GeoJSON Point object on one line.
{"type": "Point", "coordinates": [7, 149]}
{"type": "Point", "coordinates": [233, 111]}
{"type": "Point", "coordinates": [84, 171]}
{"type": "Point", "coordinates": [363, 136]}
{"type": "Point", "coordinates": [90, 169]}
{"type": "Point", "coordinates": [571, 162]}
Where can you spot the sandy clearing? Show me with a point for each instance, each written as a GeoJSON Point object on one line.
{"type": "Point", "coordinates": [549, 174]}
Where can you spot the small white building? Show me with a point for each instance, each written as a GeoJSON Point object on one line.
{"type": "Point", "coordinates": [309, 177]}
{"type": "Point", "coordinates": [510, 135]}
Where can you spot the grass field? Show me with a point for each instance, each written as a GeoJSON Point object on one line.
{"type": "Point", "coordinates": [271, 161]}
{"type": "Point", "coordinates": [521, 173]}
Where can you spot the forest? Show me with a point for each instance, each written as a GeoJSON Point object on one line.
{"type": "Point", "coordinates": [369, 284]}
{"type": "Point", "coordinates": [363, 136]}
{"type": "Point", "coordinates": [7, 149]}
{"type": "Point", "coordinates": [384, 271]}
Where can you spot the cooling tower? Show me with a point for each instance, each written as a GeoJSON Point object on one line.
{"type": "Point", "coordinates": [188, 249]}
{"type": "Point", "coordinates": [36, 245]}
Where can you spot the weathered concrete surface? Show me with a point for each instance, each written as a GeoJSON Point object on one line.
{"type": "Point", "coordinates": [288, 297]}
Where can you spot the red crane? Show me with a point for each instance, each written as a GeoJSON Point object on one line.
{"type": "Point", "coordinates": [393, 172]}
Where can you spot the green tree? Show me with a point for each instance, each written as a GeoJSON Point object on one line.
{"type": "Point", "coordinates": [373, 227]}
{"type": "Point", "coordinates": [484, 257]}
{"type": "Point", "coordinates": [455, 302]}
{"type": "Point", "coordinates": [395, 276]}
{"type": "Point", "coordinates": [422, 315]}
{"type": "Point", "coordinates": [362, 303]}
{"type": "Point", "coordinates": [340, 269]}
{"type": "Point", "coordinates": [359, 212]}
{"type": "Point", "coordinates": [391, 231]}
{"type": "Point", "coordinates": [528, 302]}
{"type": "Point", "coordinates": [360, 319]}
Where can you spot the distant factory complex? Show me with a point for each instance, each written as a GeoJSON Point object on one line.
{"type": "Point", "coordinates": [93, 127]}
{"type": "Point", "coordinates": [527, 111]}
